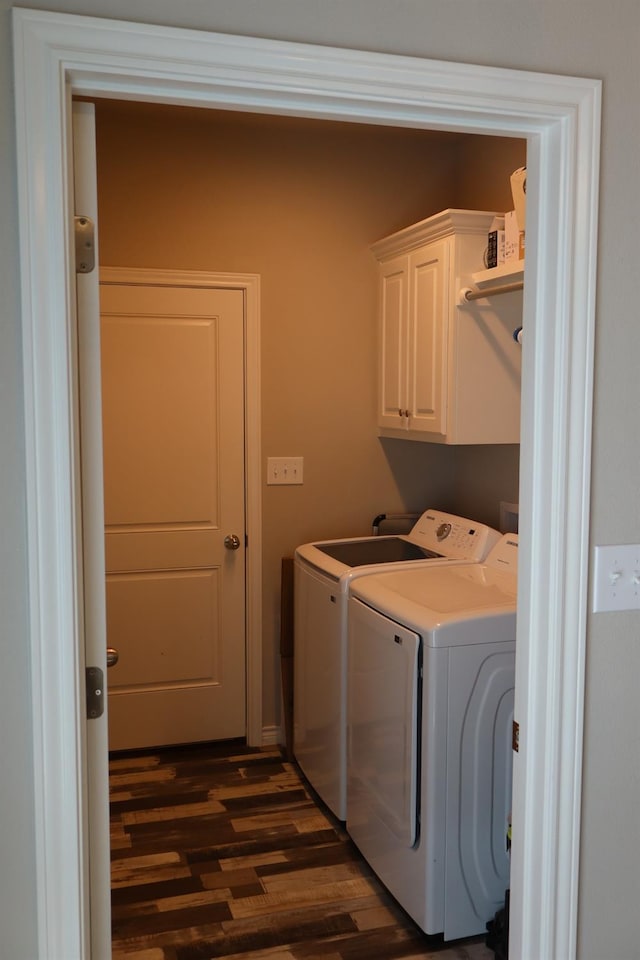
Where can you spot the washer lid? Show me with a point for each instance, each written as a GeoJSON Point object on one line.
{"type": "Point", "coordinates": [435, 536]}
{"type": "Point", "coordinates": [360, 552]}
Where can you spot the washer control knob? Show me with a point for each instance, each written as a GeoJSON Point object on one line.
{"type": "Point", "coordinates": [443, 531]}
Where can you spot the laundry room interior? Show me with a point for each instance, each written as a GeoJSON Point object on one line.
{"type": "Point", "coordinates": [300, 202]}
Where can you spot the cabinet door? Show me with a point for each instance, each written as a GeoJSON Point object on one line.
{"type": "Point", "coordinates": [394, 305]}
{"type": "Point", "coordinates": [428, 338]}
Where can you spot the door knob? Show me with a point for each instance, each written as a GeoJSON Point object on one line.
{"type": "Point", "coordinates": [112, 656]}
{"type": "Point", "coordinates": [232, 542]}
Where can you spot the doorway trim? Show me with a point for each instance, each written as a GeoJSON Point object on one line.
{"type": "Point", "coordinates": [57, 55]}
{"type": "Point", "coordinates": [249, 284]}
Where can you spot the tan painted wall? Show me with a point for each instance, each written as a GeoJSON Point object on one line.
{"type": "Point", "coordinates": [300, 203]}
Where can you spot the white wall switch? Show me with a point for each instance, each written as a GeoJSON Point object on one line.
{"type": "Point", "coordinates": [284, 470]}
{"type": "Point", "coordinates": [616, 578]}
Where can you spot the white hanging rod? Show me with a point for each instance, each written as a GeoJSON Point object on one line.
{"type": "Point", "coordinates": [467, 294]}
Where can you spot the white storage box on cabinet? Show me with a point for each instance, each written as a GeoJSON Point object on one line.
{"type": "Point", "coordinates": [447, 373]}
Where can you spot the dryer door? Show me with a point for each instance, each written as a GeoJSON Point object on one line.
{"type": "Point", "coordinates": [383, 719]}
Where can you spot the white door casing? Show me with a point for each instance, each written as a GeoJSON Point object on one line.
{"type": "Point", "coordinates": [173, 438]}
{"type": "Point", "coordinates": [55, 54]}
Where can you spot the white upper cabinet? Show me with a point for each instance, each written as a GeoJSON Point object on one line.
{"type": "Point", "coordinates": [448, 373]}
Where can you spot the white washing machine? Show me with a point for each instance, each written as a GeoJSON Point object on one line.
{"type": "Point", "coordinates": [429, 756]}
{"type": "Point", "coordinates": [322, 574]}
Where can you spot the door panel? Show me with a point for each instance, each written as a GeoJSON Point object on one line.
{"type": "Point", "coordinates": [163, 645]}
{"type": "Point", "coordinates": [173, 426]}
{"type": "Point", "coordinates": [158, 383]}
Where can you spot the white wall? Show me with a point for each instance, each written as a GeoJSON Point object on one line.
{"type": "Point", "coordinates": [17, 878]}
{"type": "Point", "coordinates": [582, 37]}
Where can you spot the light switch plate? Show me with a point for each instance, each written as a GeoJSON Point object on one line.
{"type": "Point", "coordinates": [284, 470]}
{"type": "Point", "coordinates": [616, 577]}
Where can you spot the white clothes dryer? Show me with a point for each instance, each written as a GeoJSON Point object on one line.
{"type": "Point", "coordinates": [429, 755]}
{"type": "Point", "coordinates": [322, 574]}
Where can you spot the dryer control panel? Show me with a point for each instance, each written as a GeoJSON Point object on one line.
{"type": "Point", "coordinates": [504, 555]}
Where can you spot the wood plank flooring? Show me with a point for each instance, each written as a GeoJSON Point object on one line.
{"type": "Point", "coordinates": [221, 851]}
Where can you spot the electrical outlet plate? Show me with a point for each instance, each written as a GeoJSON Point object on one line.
{"type": "Point", "coordinates": [616, 577]}
{"type": "Point", "coordinates": [509, 516]}
{"type": "Point", "coordinates": [284, 470]}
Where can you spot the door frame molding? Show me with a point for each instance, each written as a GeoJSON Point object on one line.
{"type": "Point", "coordinates": [57, 55]}
{"type": "Point", "coordinates": [249, 284]}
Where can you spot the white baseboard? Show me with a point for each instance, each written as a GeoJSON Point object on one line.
{"type": "Point", "coordinates": [271, 736]}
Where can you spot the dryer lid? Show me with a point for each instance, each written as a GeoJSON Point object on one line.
{"type": "Point", "coordinates": [426, 598]}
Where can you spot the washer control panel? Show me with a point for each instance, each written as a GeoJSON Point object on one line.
{"type": "Point", "coordinates": [455, 537]}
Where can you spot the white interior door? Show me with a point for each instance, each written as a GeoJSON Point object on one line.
{"type": "Point", "coordinates": [173, 434]}
{"type": "Point", "coordinates": [97, 926]}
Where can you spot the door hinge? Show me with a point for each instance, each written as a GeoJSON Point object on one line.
{"type": "Point", "coordinates": [515, 737]}
{"type": "Point", "coordinates": [95, 692]}
{"type": "Point", "coordinates": [84, 230]}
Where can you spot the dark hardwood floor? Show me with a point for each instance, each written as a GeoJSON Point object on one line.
{"type": "Point", "coordinates": [221, 851]}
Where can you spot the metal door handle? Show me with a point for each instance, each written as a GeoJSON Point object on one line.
{"type": "Point", "coordinates": [232, 542]}
{"type": "Point", "coordinates": [112, 656]}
